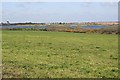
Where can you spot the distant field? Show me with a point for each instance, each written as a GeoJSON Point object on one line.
{"type": "Point", "coordinates": [40, 54]}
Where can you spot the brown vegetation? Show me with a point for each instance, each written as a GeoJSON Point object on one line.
{"type": "Point", "coordinates": [78, 29]}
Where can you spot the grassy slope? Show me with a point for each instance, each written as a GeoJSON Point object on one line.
{"type": "Point", "coordinates": [33, 54]}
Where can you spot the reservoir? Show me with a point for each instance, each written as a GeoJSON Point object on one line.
{"type": "Point", "coordinates": [44, 27]}
{"type": "Point", "coordinates": [94, 27]}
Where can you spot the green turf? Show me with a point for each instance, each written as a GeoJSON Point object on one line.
{"type": "Point", "coordinates": [39, 54]}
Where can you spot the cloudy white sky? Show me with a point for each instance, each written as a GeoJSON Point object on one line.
{"type": "Point", "coordinates": [59, 11]}
{"type": "Point", "coordinates": [59, 0]}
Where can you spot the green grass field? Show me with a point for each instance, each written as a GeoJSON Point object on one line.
{"type": "Point", "coordinates": [39, 54]}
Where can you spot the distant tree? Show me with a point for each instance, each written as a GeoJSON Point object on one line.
{"type": "Point", "coordinates": [60, 23]}
{"type": "Point", "coordinates": [8, 22]}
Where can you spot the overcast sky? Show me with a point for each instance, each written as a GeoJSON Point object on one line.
{"type": "Point", "coordinates": [59, 11]}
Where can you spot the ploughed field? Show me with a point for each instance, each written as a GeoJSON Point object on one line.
{"type": "Point", "coordinates": [42, 54]}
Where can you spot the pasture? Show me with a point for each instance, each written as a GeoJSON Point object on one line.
{"type": "Point", "coordinates": [43, 54]}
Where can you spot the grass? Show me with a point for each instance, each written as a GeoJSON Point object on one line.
{"type": "Point", "coordinates": [39, 54]}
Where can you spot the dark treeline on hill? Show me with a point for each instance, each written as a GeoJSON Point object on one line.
{"type": "Point", "coordinates": [62, 23]}
{"type": "Point", "coordinates": [29, 23]}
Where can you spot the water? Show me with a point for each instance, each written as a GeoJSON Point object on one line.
{"type": "Point", "coordinates": [39, 27]}
{"type": "Point", "coordinates": [44, 27]}
{"type": "Point", "coordinates": [73, 26]}
{"type": "Point", "coordinates": [19, 27]}
{"type": "Point", "coordinates": [94, 27]}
